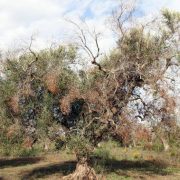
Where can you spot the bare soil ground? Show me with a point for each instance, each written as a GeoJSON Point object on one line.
{"type": "Point", "coordinates": [52, 166]}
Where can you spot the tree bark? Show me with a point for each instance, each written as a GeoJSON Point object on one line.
{"type": "Point", "coordinates": [82, 172]}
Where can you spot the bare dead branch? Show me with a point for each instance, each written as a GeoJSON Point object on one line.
{"type": "Point", "coordinates": [33, 53]}
{"type": "Point", "coordinates": [84, 45]}
{"type": "Point", "coordinates": [122, 16]}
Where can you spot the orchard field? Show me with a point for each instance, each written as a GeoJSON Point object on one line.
{"type": "Point", "coordinates": [110, 161]}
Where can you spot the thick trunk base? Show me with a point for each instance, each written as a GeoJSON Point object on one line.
{"type": "Point", "coordinates": [82, 172]}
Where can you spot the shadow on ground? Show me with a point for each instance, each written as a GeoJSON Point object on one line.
{"type": "Point", "coordinates": [119, 167]}
{"type": "Point", "coordinates": [4, 163]}
{"type": "Point", "coordinates": [62, 168]}
{"type": "Point", "coordinates": [150, 167]}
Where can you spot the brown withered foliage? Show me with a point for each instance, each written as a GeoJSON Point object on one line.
{"type": "Point", "coordinates": [26, 90]}
{"type": "Point", "coordinates": [28, 143]}
{"type": "Point", "coordinates": [51, 82]}
{"type": "Point", "coordinates": [130, 132]}
{"type": "Point", "coordinates": [142, 134]}
{"type": "Point", "coordinates": [124, 131]}
{"type": "Point", "coordinates": [167, 126]}
{"type": "Point", "coordinates": [13, 104]}
{"type": "Point", "coordinates": [94, 99]}
{"type": "Point", "coordinates": [13, 130]}
{"type": "Point", "coordinates": [170, 103]}
{"type": "Point", "coordinates": [92, 96]}
{"type": "Point", "coordinates": [66, 101]}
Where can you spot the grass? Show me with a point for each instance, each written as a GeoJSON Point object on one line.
{"type": "Point", "coordinates": [134, 163]}
{"type": "Point", "coordinates": [109, 160]}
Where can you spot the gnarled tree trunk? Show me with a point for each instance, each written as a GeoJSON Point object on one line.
{"type": "Point", "coordinates": [82, 172]}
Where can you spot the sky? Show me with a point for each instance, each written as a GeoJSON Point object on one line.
{"type": "Point", "coordinates": [46, 20]}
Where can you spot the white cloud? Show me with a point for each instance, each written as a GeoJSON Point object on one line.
{"type": "Point", "coordinates": [153, 6]}
{"type": "Point", "coordinates": [19, 19]}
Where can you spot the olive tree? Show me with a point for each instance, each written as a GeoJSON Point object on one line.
{"type": "Point", "coordinates": [40, 87]}
{"type": "Point", "coordinates": [31, 87]}
{"type": "Point", "coordinates": [137, 61]}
